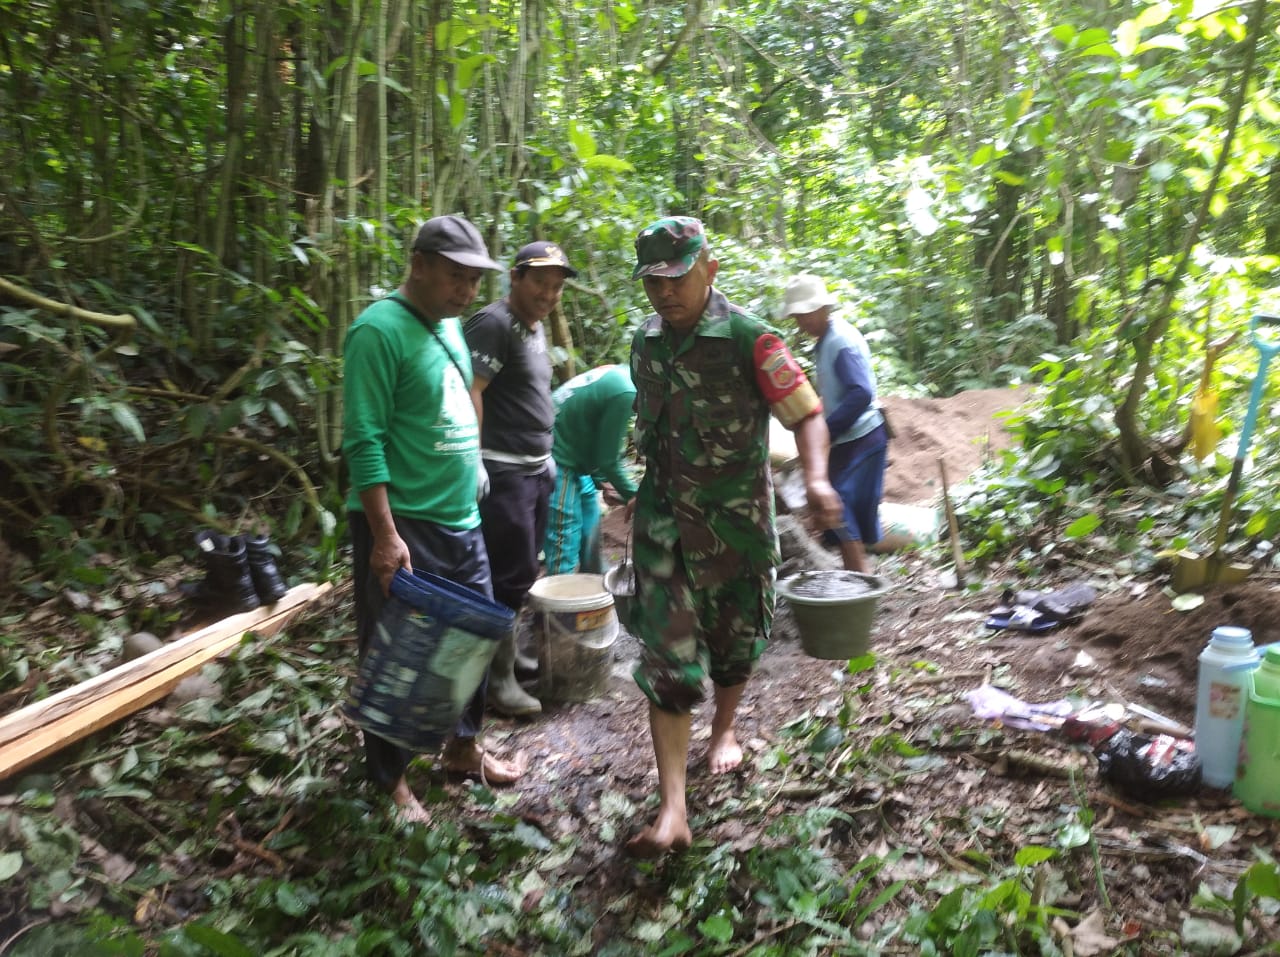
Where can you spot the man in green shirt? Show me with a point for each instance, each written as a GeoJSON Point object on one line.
{"type": "Point", "coordinates": [594, 412]}
{"type": "Point", "coordinates": [412, 447]}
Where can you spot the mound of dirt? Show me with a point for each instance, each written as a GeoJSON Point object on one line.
{"type": "Point", "coordinates": [964, 430]}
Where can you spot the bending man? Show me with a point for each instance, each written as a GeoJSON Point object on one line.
{"type": "Point", "coordinates": [594, 411]}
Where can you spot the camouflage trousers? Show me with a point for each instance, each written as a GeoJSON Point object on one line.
{"type": "Point", "coordinates": [690, 633]}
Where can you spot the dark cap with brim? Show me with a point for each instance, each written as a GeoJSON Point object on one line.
{"type": "Point", "coordinates": [454, 238]}
{"type": "Point", "coordinates": [669, 247]}
{"type": "Point", "coordinates": [541, 254]}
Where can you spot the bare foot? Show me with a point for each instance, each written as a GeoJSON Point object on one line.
{"type": "Point", "coordinates": [664, 835]}
{"type": "Point", "coordinates": [466, 757]}
{"type": "Point", "coordinates": [724, 754]}
{"type": "Point", "coordinates": [409, 809]}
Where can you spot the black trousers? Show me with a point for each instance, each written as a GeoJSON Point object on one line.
{"type": "Point", "coordinates": [456, 555]}
{"type": "Point", "coordinates": [514, 519]}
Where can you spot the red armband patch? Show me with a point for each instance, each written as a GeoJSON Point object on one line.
{"type": "Point", "coordinates": [785, 386]}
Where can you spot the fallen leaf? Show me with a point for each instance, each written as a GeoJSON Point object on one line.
{"type": "Point", "coordinates": [532, 900]}
{"type": "Point", "coordinates": [1084, 662]}
{"type": "Point", "coordinates": [1201, 936]}
{"type": "Point", "coordinates": [148, 908]}
{"type": "Point", "coordinates": [1216, 835]}
{"type": "Point", "coordinates": [1089, 937]}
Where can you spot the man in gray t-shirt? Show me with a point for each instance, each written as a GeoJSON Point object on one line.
{"type": "Point", "coordinates": [511, 390]}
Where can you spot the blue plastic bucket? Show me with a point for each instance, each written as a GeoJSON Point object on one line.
{"type": "Point", "coordinates": [430, 650]}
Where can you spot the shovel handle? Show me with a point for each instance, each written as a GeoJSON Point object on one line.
{"type": "Point", "coordinates": [1267, 347]}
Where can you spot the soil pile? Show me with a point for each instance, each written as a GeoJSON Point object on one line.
{"type": "Point", "coordinates": [965, 430]}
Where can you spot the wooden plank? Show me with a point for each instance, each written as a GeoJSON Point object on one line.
{"type": "Point", "coordinates": [44, 727]}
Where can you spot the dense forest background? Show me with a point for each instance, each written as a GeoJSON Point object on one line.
{"type": "Point", "coordinates": [197, 198]}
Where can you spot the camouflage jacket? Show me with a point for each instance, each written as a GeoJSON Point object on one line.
{"type": "Point", "coordinates": [702, 426]}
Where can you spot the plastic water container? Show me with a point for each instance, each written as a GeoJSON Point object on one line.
{"type": "Point", "coordinates": [1258, 782]}
{"type": "Point", "coordinates": [1225, 667]}
{"type": "Point", "coordinates": [577, 626]}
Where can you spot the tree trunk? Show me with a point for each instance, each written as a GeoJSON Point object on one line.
{"type": "Point", "coordinates": [1135, 450]}
{"type": "Point", "coordinates": [1271, 210]}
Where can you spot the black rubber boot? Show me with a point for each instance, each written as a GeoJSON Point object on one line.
{"type": "Point", "coordinates": [227, 588]}
{"type": "Point", "coordinates": [267, 581]}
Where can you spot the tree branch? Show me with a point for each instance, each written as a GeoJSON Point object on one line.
{"type": "Point", "coordinates": [122, 322]}
{"type": "Point", "coordinates": [1133, 448]}
{"type": "Point", "coordinates": [691, 24]}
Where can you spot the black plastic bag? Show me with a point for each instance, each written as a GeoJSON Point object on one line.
{"type": "Point", "coordinates": [1149, 767]}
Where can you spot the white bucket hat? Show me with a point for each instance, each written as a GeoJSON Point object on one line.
{"type": "Point", "coordinates": [805, 293]}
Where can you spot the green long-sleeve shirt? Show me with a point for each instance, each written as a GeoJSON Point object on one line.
{"type": "Point", "coordinates": [594, 411]}
{"type": "Point", "coordinates": [408, 419]}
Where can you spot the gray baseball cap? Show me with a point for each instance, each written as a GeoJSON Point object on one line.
{"type": "Point", "coordinates": [454, 238]}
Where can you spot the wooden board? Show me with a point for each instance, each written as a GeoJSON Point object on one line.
{"type": "Point", "coordinates": [44, 727]}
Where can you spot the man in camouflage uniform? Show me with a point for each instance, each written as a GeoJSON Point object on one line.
{"type": "Point", "coordinates": [707, 375]}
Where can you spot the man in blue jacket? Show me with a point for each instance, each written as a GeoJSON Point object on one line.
{"type": "Point", "coordinates": [859, 435]}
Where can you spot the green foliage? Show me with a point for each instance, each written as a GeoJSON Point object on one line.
{"type": "Point", "coordinates": [1064, 488]}
{"type": "Point", "coordinates": [982, 188]}
{"type": "Point", "coordinates": [996, 194]}
{"type": "Point", "coordinates": [1008, 916]}
{"type": "Point", "coordinates": [264, 769]}
{"type": "Point", "coordinates": [1259, 884]}
{"type": "Point", "coordinates": [265, 843]}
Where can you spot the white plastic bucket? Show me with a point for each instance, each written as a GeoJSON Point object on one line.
{"type": "Point", "coordinates": [576, 625]}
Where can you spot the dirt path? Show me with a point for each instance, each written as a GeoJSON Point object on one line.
{"type": "Point", "coordinates": [987, 789]}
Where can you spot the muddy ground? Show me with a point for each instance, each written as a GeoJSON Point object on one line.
{"type": "Point", "coordinates": [998, 787]}
{"type": "Point", "coordinates": [984, 791]}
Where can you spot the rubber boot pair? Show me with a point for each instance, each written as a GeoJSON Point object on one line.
{"type": "Point", "coordinates": [505, 695]}
{"type": "Point", "coordinates": [240, 574]}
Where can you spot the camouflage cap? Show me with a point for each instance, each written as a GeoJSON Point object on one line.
{"type": "Point", "coordinates": [669, 247]}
